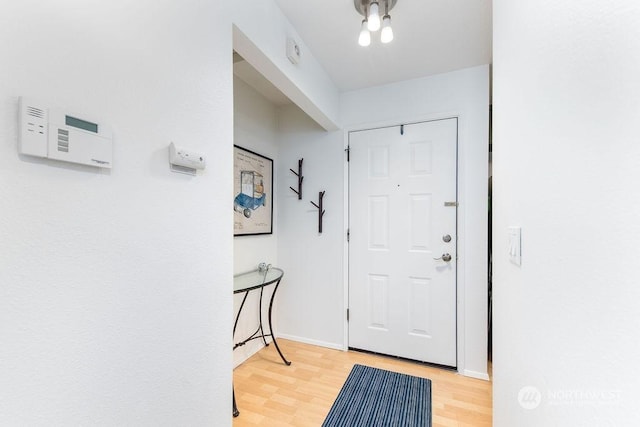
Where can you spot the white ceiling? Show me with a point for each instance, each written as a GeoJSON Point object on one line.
{"type": "Point", "coordinates": [430, 37]}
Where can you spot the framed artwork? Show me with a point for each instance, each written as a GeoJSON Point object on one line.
{"type": "Point", "coordinates": [252, 192]}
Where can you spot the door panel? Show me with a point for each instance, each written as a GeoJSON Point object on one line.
{"type": "Point", "coordinates": [402, 301]}
{"type": "Point", "coordinates": [377, 299]}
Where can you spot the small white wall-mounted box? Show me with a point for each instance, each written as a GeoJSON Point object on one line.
{"type": "Point", "coordinates": [293, 50]}
{"type": "Point", "coordinates": [185, 161]}
{"type": "Point", "coordinates": [57, 134]}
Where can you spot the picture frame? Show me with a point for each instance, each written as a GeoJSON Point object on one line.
{"type": "Point", "coordinates": [252, 193]}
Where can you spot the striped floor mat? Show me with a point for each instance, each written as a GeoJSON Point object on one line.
{"type": "Point", "coordinates": [375, 397]}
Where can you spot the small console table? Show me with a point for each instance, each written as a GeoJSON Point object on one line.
{"type": "Point", "coordinates": [245, 283]}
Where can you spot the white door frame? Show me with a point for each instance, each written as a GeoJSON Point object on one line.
{"type": "Point", "coordinates": [460, 285]}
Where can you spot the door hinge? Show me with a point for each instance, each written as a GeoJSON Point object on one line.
{"type": "Point", "coordinates": [348, 151]}
{"type": "Point", "coordinates": [347, 314]}
{"type": "Point", "coordinates": [348, 234]}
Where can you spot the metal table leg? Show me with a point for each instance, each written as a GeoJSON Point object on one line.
{"type": "Point", "coordinates": [235, 325]}
{"type": "Point", "coordinates": [235, 407]}
{"type": "Point", "coordinates": [273, 337]}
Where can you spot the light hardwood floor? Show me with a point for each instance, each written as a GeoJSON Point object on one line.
{"type": "Point", "coordinates": [269, 393]}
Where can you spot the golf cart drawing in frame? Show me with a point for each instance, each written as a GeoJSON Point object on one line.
{"type": "Point", "coordinates": [252, 193]}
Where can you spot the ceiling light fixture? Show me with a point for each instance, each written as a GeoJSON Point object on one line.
{"type": "Point", "coordinates": [365, 35]}
{"type": "Point", "coordinates": [374, 16]}
{"type": "Point", "coordinates": [386, 35]}
{"type": "Point", "coordinates": [370, 10]}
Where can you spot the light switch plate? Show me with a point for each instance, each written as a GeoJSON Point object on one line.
{"type": "Point", "coordinates": [515, 245]}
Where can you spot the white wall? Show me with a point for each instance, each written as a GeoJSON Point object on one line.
{"type": "Point", "coordinates": [310, 304]}
{"type": "Point", "coordinates": [255, 128]}
{"type": "Point", "coordinates": [566, 155]}
{"type": "Point", "coordinates": [115, 286]}
{"type": "Point", "coordinates": [464, 94]}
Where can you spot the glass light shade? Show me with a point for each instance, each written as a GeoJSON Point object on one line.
{"type": "Point", "coordinates": [374, 17]}
{"type": "Point", "coordinates": [387, 33]}
{"type": "Point", "coordinates": [365, 36]}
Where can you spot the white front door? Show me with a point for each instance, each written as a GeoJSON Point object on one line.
{"type": "Point", "coordinates": [402, 248]}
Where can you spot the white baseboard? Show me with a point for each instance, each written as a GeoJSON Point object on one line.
{"type": "Point", "coordinates": [311, 341]}
{"type": "Point", "coordinates": [243, 353]}
{"type": "Point", "coordinates": [474, 374]}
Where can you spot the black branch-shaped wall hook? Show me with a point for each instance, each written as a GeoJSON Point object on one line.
{"type": "Point", "coordinates": [320, 210]}
{"type": "Point", "coordinates": [300, 178]}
